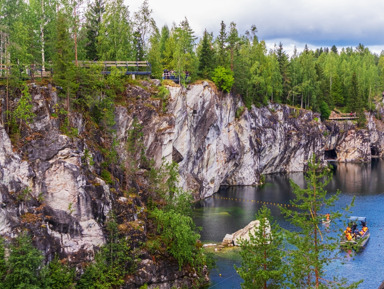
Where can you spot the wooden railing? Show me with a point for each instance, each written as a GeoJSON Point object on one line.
{"type": "Point", "coordinates": [343, 116]}
{"type": "Point", "coordinates": [36, 70]}
{"type": "Point", "coordinates": [133, 67]}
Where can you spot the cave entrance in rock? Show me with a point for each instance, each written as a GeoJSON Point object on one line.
{"type": "Point", "coordinates": [330, 155]}
{"type": "Point", "coordinates": [375, 152]}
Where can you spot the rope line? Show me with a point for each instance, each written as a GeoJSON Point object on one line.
{"type": "Point", "coordinates": [253, 201]}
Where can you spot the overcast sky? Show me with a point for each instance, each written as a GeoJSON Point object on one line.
{"type": "Point", "coordinates": [318, 23]}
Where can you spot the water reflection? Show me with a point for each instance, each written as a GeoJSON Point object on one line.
{"type": "Point", "coordinates": [232, 208]}
{"type": "Point", "coordinates": [359, 179]}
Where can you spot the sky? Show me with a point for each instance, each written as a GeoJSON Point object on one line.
{"type": "Point", "coordinates": [317, 23]}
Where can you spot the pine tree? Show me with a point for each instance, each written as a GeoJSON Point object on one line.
{"type": "Point", "coordinates": [115, 35]}
{"type": "Point", "coordinates": [262, 255]}
{"type": "Point", "coordinates": [58, 275]}
{"type": "Point", "coordinates": [356, 102]}
{"type": "Point", "coordinates": [94, 15]}
{"type": "Point", "coordinates": [206, 57]}
{"type": "Point", "coordinates": [23, 265]}
{"type": "Point", "coordinates": [233, 42]}
{"type": "Point", "coordinates": [221, 41]}
{"type": "Point", "coordinates": [312, 249]}
{"type": "Point", "coordinates": [283, 60]}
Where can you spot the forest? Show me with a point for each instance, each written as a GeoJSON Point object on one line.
{"type": "Point", "coordinates": [54, 35]}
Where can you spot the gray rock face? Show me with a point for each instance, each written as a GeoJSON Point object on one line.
{"type": "Point", "coordinates": [47, 189]}
{"type": "Point", "coordinates": [49, 185]}
{"type": "Point", "coordinates": [214, 146]}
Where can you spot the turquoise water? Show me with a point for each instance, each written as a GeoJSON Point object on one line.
{"type": "Point", "coordinates": [232, 208]}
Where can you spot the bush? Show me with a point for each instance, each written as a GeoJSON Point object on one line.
{"type": "Point", "coordinates": [324, 110]}
{"type": "Point", "coordinates": [178, 234]}
{"type": "Point", "coordinates": [223, 78]}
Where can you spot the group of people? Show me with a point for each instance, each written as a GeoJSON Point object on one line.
{"type": "Point", "coordinates": [352, 233]}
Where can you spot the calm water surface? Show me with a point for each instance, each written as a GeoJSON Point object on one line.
{"type": "Point", "coordinates": [218, 216]}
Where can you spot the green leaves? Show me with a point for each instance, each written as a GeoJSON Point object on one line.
{"type": "Point", "coordinates": [24, 110]}
{"type": "Point", "coordinates": [178, 235]}
{"type": "Point", "coordinates": [262, 255]}
{"type": "Point", "coordinates": [223, 78]}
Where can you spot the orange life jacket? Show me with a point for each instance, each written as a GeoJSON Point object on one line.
{"type": "Point", "coordinates": [365, 228]}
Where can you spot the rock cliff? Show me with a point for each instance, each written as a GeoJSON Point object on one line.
{"type": "Point", "coordinates": [52, 184]}
{"type": "Point", "coordinates": [216, 141]}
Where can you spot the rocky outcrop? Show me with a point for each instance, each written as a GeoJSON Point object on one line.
{"type": "Point", "coordinates": [46, 186]}
{"type": "Point", "coordinates": [245, 234]}
{"type": "Point", "coordinates": [218, 142]}
{"type": "Point", "coordinates": [51, 183]}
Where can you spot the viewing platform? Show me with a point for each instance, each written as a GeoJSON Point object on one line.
{"type": "Point", "coordinates": [37, 71]}
{"type": "Point", "coordinates": [342, 116]}
{"type": "Point", "coordinates": [132, 67]}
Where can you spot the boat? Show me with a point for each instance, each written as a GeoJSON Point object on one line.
{"type": "Point", "coordinates": [359, 239]}
{"type": "Point", "coordinates": [327, 220]}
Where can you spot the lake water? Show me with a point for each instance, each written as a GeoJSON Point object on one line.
{"type": "Point", "coordinates": [232, 208]}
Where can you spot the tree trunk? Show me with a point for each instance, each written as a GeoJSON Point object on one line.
{"type": "Point", "coordinates": [75, 36]}
{"type": "Point", "coordinates": [42, 38]}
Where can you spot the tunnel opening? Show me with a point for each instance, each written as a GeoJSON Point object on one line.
{"type": "Point", "coordinates": [375, 152]}
{"type": "Point", "coordinates": [330, 155]}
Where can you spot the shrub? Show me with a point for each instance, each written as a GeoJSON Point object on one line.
{"type": "Point", "coordinates": [223, 78]}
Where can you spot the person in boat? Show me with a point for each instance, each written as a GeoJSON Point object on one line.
{"type": "Point", "coordinates": [348, 233]}
{"type": "Point", "coordinates": [364, 229]}
{"type": "Point", "coordinates": [348, 236]}
{"type": "Point", "coordinates": [356, 234]}
{"type": "Point", "coordinates": [327, 217]}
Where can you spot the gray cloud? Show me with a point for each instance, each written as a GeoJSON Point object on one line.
{"type": "Point", "coordinates": [321, 23]}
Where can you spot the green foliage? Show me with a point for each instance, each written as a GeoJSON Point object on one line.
{"type": "Point", "coordinates": [58, 275]}
{"type": "Point", "coordinates": [206, 57]}
{"type": "Point", "coordinates": [312, 249]}
{"type": "Point", "coordinates": [3, 263]}
{"type": "Point", "coordinates": [178, 235]}
{"type": "Point", "coordinates": [324, 110]}
{"type": "Point", "coordinates": [24, 195]}
{"type": "Point", "coordinates": [223, 78]}
{"type": "Point", "coordinates": [106, 176]}
{"type": "Point", "coordinates": [24, 112]}
{"type": "Point", "coordinates": [115, 38]}
{"type": "Point", "coordinates": [112, 264]}
{"type": "Point", "coordinates": [24, 264]}
{"type": "Point", "coordinates": [239, 112]}
{"type": "Point", "coordinates": [262, 255]}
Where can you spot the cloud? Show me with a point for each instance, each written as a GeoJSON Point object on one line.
{"type": "Point", "coordinates": [316, 22]}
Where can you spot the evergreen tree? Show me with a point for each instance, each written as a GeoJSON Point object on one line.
{"type": "Point", "coordinates": [3, 263]}
{"type": "Point", "coordinates": [112, 264]}
{"type": "Point", "coordinates": [312, 249]}
{"type": "Point", "coordinates": [206, 57]}
{"type": "Point", "coordinates": [262, 256]}
{"type": "Point", "coordinates": [163, 40]}
{"type": "Point", "coordinates": [356, 103]}
{"type": "Point", "coordinates": [93, 22]}
{"type": "Point", "coordinates": [24, 264]}
{"type": "Point", "coordinates": [23, 112]}
{"type": "Point", "coordinates": [283, 61]}
{"type": "Point", "coordinates": [116, 37]}
{"type": "Point", "coordinates": [233, 42]}
{"type": "Point", "coordinates": [221, 41]}
{"type": "Point", "coordinates": [58, 275]}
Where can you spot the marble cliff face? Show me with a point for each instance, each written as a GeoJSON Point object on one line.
{"type": "Point", "coordinates": [49, 185]}
{"type": "Point", "coordinates": [217, 142]}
